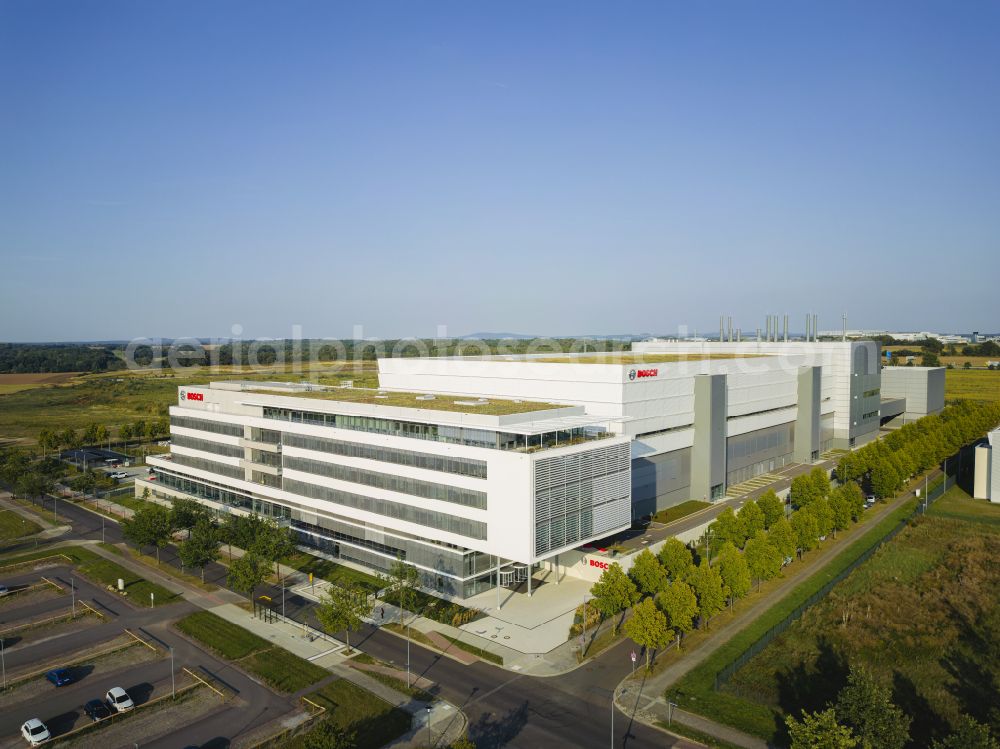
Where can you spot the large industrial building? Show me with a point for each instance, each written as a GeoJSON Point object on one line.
{"type": "Point", "coordinates": [986, 479]}
{"type": "Point", "coordinates": [476, 469]}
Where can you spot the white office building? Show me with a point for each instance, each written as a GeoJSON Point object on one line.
{"type": "Point", "coordinates": [470, 466]}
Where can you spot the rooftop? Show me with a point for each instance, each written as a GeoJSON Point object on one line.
{"type": "Point", "coordinates": [455, 403]}
{"type": "Point", "coordinates": [639, 358]}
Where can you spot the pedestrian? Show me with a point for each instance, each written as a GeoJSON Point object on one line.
{"type": "Point", "coordinates": [381, 612]}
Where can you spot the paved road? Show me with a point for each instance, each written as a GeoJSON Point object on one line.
{"type": "Point", "coordinates": [503, 708]}
{"type": "Point", "coordinates": [254, 704]}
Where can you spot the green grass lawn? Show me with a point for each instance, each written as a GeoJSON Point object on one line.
{"type": "Point", "coordinates": [696, 690]}
{"type": "Point", "coordinates": [486, 655]}
{"type": "Point", "coordinates": [104, 572]}
{"type": "Point", "coordinates": [278, 667]}
{"type": "Point", "coordinates": [373, 721]}
{"type": "Point", "coordinates": [682, 510]}
{"type": "Point", "coordinates": [390, 681]}
{"type": "Point", "coordinates": [332, 572]}
{"type": "Point", "coordinates": [14, 526]}
{"type": "Point", "coordinates": [918, 614]}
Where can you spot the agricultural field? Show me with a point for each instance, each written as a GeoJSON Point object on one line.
{"type": "Point", "coordinates": [59, 401]}
{"type": "Point", "coordinates": [972, 384]}
{"type": "Point", "coordinates": [923, 615]}
{"type": "Point", "coordinates": [15, 383]}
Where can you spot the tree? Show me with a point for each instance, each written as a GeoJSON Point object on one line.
{"type": "Point", "coordinates": [202, 545]}
{"type": "Point", "coordinates": [804, 490]}
{"type": "Point", "coordinates": [680, 605]}
{"type": "Point", "coordinates": [866, 707]}
{"type": "Point", "coordinates": [328, 735]}
{"type": "Point", "coordinates": [970, 734]}
{"type": "Point", "coordinates": [47, 440]}
{"type": "Point", "coordinates": [762, 557]}
{"type": "Point", "coordinates": [273, 542]}
{"type": "Point", "coordinates": [102, 434]}
{"type": "Point", "coordinates": [727, 527]}
{"type": "Point", "coordinates": [149, 526]}
{"type": "Point", "coordinates": [706, 582]}
{"type": "Point", "coordinates": [401, 584]}
{"type": "Point", "coordinates": [821, 482]}
{"type": "Point", "coordinates": [71, 439]}
{"type": "Point", "coordinates": [648, 628]}
{"type": "Point", "coordinates": [819, 730]}
{"type": "Point", "coordinates": [90, 434]}
{"type": "Point", "coordinates": [648, 574]}
{"type": "Point", "coordinates": [614, 593]}
{"type": "Point", "coordinates": [806, 529]}
{"type": "Point", "coordinates": [752, 519]}
{"type": "Point", "coordinates": [820, 510]}
{"type": "Point", "coordinates": [676, 558]}
{"type": "Point", "coordinates": [885, 480]}
{"type": "Point", "coordinates": [930, 360]}
{"type": "Point", "coordinates": [246, 573]}
{"type": "Point", "coordinates": [782, 535]}
{"type": "Point", "coordinates": [343, 609]}
{"type": "Point", "coordinates": [185, 513]}
{"type": "Point", "coordinates": [125, 433]}
{"type": "Point", "coordinates": [734, 572]}
{"type": "Point", "coordinates": [462, 742]}
{"type": "Point", "coordinates": [772, 507]}
{"type": "Point", "coordinates": [841, 512]}
{"type": "Point", "coordinates": [853, 497]}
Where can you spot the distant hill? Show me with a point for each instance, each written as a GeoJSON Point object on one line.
{"type": "Point", "coordinates": [529, 336]}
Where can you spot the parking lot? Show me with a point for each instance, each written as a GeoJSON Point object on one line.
{"type": "Point", "coordinates": [115, 644]}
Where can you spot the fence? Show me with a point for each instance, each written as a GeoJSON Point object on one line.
{"type": "Point", "coordinates": [727, 672]}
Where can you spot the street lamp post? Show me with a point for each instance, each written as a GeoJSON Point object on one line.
{"type": "Point", "coordinates": [3, 662]}
{"type": "Point", "coordinates": [72, 588]}
{"type": "Point", "coordinates": [173, 689]}
{"type": "Point", "coordinates": [612, 719]}
{"type": "Point", "coordinates": [282, 596]}
{"type": "Point", "coordinates": [429, 742]}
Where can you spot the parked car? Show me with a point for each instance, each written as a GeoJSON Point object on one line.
{"type": "Point", "coordinates": [870, 500]}
{"type": "Point", "coordinates": [118, 700]}
{"type": "Point", "coordinates": [119, 475]}
{"type": "Point", "coordinates": [60, 677]}
{"type": "Point", "coordinates": [35, 732]}
{"type": "Point", "coordinates": [4, 590]}
{"type": "Point", "coordinates": [97, 710]}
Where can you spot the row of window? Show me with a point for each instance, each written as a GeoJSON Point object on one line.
{"type": "Point", "coordinates": [460, 466]}
{"type": "Point", "coordinates": [216, 427]}
{"type": "Point", "coordinates": [438, 432]}
{"type": "Point", "coordinates": [397, 510]}
{"type": "Point", "coordinates": [402, 484]}
{"type": "Point", "coordinates": [222, 495]}
{"type": "Point", "coordinates": [224, 469]}
{"type": "Point", "coordinates": [230, 451]}
{"type": "Point", "coordinates": [870, 393]}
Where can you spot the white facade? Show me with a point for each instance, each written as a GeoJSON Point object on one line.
{"type": "Point", "coordinates": [347, 484]}
{"type": "Point", "coordinates": [986, 480]}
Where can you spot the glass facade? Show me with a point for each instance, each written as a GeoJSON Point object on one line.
{"type": "Point", "coordinates": [223, 469]}
{"type": "Point", "coordinates": [460, 466]}
{"type": "Point", "coordinates": [402, 484]}
{"type": "Point", "coordinates": [439, 433]}
{"type": "Point", "coordinates": [439, 520]}
{"type": "Point", "coordinates": [230, 451]}
{"type": "Point", "coordinates": [216, 427]}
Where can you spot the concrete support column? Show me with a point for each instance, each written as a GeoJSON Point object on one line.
{"type": "Point", "coordinates": [807, 418]}
{"type": "Point", "coordinates": [708, 453]}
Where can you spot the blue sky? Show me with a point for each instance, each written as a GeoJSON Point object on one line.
{"type": "Point", "coordinates": [175, 169]}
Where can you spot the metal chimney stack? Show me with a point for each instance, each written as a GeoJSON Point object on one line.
{"type": "Point", "coordinates": [786, 328]}
{"type": "Point", "coordinates": [722, 329]}
{"type": "Point", "coordinates": [815, 327]}
{"type": "Point", "coordinates": [808, 318]}
{"type": "Point", "coordinates": [845, 327]}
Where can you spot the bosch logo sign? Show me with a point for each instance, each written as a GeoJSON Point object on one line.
{"type": "Point", "coordinates": [640, 373]}
{"type": "Point", "coordinates": [196, 396]}
{"type": "Point", "coordinates": [600, 565]}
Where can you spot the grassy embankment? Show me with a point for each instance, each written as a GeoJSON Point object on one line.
{"type": "Point", "coordinates": [14, 526]}
{"type": "Point", "coordinates": [920, 614]}
{"type": "Point", "coordinates": [278, 667]}
{"type": "Point", "coordinates": [373, 721]}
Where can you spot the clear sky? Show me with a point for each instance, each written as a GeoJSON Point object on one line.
{"type": "Point", "coordinates": [178, 168]}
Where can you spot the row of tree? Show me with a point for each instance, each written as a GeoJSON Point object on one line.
{"type": "Point", "coordinates": [886, 464]}
{"type": "Point", "coordinates": [864, 716]}
{"type": "Point", "coordinates": [672, 592]}
{"type": "Point", "coordinates": [98, 434]}
{"type": "Point", "coordinates": [23, 358]}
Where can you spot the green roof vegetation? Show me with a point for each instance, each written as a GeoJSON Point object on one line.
{"type": "Point", "coordinates": [638, 358]}
{"type": "Point", "coordinates": [457, 403]}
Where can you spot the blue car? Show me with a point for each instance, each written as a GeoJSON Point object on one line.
{"type": "Point", "coordinates": [60, 677]}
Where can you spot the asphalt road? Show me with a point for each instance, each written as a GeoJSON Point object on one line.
{"type": "Point", "coordinates": [62, 707]}
{"type": "Point", "coordinates": [503, 708]}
